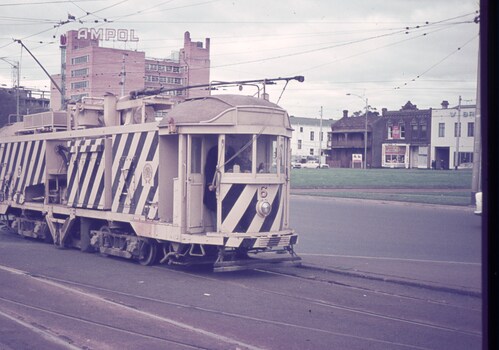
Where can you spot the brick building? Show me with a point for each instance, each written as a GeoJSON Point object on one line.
{"type": "Point", "coordinates": [402, 138]}
{"type": "Point", "coordinates": [92, 70]}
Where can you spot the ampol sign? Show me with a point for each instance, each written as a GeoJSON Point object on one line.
{"type": "Point", "coordinates": [107, 34]}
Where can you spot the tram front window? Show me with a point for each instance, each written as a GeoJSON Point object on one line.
{"type": "Point", "coordinates": [267, 154]}
{"type": "Point", "coordinates": [238, 153]}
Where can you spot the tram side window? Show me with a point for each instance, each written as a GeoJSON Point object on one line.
{"type": "Point", "coordinates": [242, 147]}
{"type": "Point", "coordinates": [267, 154]}
{"type": "Point", "coordinates": [196, 155]}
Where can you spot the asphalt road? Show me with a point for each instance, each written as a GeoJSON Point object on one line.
{"type": "Point", "coordinates": [54, 299]}
{"type": "Point", "coordinates": [386, 229]}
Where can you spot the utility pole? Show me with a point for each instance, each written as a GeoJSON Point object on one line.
{"type": "Point", "coordinates": [365, 137]}
{"type": "Point", "coordinates": [62, 46]}
{"type": "Point", "coordinates": [458, 134]}
{"type": "Point", "coordinates": [476, 177]}
{"type": "Point", "coordinates": [320, 140]}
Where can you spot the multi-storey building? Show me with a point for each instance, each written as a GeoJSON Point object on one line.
{"type": "Point", "coordinates": [348, 143]}
{"type": "Point", "coordinates": [311, 138]}
{"type": "Point", "coordinates": [403, 138]}
{"type": "Point", "coordinates": [453, 134]}
{"type": "Point", "coordinates": [92, 70]}
{"type": "Point", "coordinates": [21, 99]}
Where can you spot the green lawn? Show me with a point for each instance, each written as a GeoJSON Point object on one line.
{"type": "Point", "coordinates": [380, 178]}
{"type": "Point", "coordinates": [447, 187]}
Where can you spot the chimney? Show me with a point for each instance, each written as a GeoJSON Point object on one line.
{"type": "Point", "coordinates": [445, 104]}
{"type": "Point", "coordinates": [345, 113]}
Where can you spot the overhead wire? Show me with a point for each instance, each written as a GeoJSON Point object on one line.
{"type": "Point", "coordinates": [437, 63]}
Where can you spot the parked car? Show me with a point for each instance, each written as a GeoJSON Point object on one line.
{"type": "Point", "coordinates": [312, 164]}
{"type": "Point", "coordinates": [295, 165]}
{"type": "Point", "coordinates": [478, 201]}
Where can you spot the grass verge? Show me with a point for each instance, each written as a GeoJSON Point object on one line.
{"type": "Point", "coordinates": [443, 186]}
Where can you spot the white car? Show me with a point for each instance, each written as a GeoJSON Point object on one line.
{"type": "Point", "coordinates": [311, 164]}
{"type": "Point", "coordinates": [478, 201]}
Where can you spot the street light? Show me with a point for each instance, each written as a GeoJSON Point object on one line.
{"type": "Point", "coordinates": [365, 128]}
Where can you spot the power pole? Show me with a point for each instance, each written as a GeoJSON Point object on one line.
{"type": "Point", "coordinates": [320, 141]}
{"type": "Point", "coordinates": [458, 134]}
{"type": "Point", "coordinates": [476, 177]}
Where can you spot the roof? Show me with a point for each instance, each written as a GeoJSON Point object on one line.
{"type": "Point", "coordinates": [203, 109]}
{"type": "Point", "coordinates": [309, 121]}
{"type": "Point", "coordinates": [354, 123]}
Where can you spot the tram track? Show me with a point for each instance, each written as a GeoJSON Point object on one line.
{"type": "Point", "coordinates": [345, 308]}
{"type": "Point", "coordinates": [128, 301]}
{"type": "Point", "coordinates": [58, 340]}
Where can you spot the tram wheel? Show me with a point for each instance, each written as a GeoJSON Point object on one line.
{"type": "Point", "coordinates": [148, 252]}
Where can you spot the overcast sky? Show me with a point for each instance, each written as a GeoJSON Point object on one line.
{"type": "Point", "coordinates": [388, 51]}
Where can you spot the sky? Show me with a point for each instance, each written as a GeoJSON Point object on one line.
{"type": "Point", "coordinates": [383, 52]}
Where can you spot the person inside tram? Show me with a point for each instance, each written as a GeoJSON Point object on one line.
{"type": "Point", "coordinates": [209, 197]}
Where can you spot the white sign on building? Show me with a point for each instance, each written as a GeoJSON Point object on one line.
{"type": "Point", "coordinates": [107, 34]}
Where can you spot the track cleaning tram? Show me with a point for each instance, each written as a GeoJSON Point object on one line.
{"type": "Point", "coordinates": [209, 183]}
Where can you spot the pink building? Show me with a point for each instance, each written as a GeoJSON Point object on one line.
{"type": "Point", "coordinates": [93, 71]}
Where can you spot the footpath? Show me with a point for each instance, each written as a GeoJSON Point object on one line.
{"type": "Point", "coordinates": [454, 277]}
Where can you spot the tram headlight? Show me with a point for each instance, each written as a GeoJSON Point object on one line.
{"type": "Point", "coordinates": [263, 208]}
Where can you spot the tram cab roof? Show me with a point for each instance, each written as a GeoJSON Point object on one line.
{"type": "Point", "coordinates": [226, 110]}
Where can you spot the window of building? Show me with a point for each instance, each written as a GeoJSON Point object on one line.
{"type": "Point", "coordinates": [312, 136]}
{"type": "Point", "coordinates": [79, 72]}
{"type": "Point", "coordinates": [79, 85]}
{"type": "Point", "coordinates": [301, 128]}
{"type": "Point", "coordinates": [472, 114]}
{"type": "Point", "coordinates": [153, 67]}
{"type": "Point", "coordinates": [414, 131]}
{"type": "Point", "coordinates": [299, 144]}
{"type": "Point", "coordinates": [465, 157]}
{"type": "Point", "coordinates": [390, 132]}
{"type": "Point", "coordinates": [311, 151]}
{"type": "Point", "coordinates": [422, 131]}
{"type": "Point", "coordinates": [78, 97]}
{"type": "Point", "coordinates": [176, 69]}
{"type": "Point", "coordinates": [402, 131]}
{"type": "Point", "coordinates": [457, 129]}
{"type": "Point", "coordinates": [441, 129]}
{"type": "Point", "coordinates": [465, 114]}
{"type": "Point", "coordinates": [322, 136]}
{"type": "Point", "coordinates": [471, 129]}
{"type": "Point", "coordinates": [79, 60]}
{"type": "Point", "coordinates": [161, 68]}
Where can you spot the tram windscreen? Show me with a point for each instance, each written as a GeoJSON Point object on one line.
{"type": "Point", "coordinates": [270, 154]}
{"type": "Point", "coordinates": [267, 154]}
{"type": "Point", "coordinates": [239, 153]}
